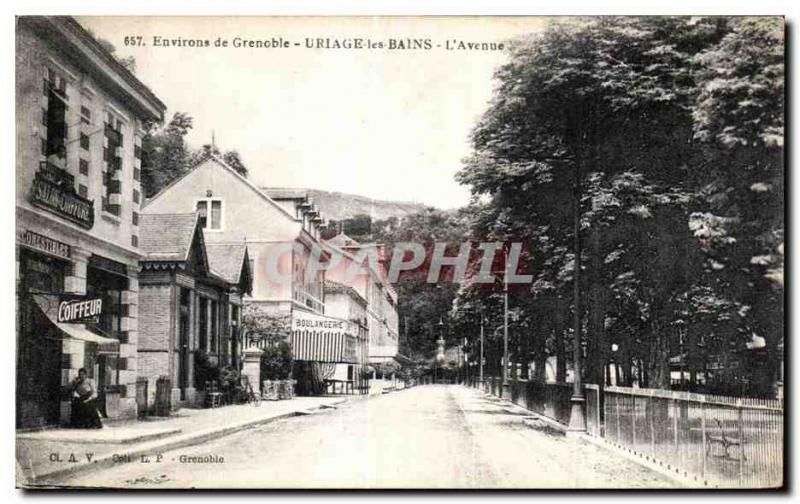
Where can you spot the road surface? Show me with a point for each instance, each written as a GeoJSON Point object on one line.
{"type": "Point", "coordinates": [434, 436]}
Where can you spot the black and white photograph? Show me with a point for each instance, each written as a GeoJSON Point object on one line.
{"type": "Point", "coordinates": [399, 252]}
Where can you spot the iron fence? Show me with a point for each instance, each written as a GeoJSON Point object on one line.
{"type": "Point", "coordinates": [717, 440]}
{"type": "Point", "coordinates": [552, 400]}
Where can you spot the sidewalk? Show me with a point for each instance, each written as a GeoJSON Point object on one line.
{"type": "Point", "coordinates": [44, 456]}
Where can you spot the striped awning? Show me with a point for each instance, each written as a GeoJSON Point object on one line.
{"type": "Point", "coordinates": [322, 339]}
{"type": "Point", "coordinates": [323, 346]}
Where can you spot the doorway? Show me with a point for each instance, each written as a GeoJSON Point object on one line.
{"type": "Point", "coordinates": [39, 352]}
{"type": "Point", "coordinates": [183, 342]}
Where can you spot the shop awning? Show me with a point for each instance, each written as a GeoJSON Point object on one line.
{"type": "Point", "coordinates": [323, 346]}
{"type": "Point", "coordinates": [49, 306]}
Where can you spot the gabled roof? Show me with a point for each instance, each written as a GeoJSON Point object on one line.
{"type": "Point", "coordinates": [374, 274]}
{"type": "Point", "coordinates": [169, 237]}
{"type": "Point", "coordinates": [342, 240]}
{"type": "Point", "coordinates": [335, 287]}
{"type": "Point", "coordinates": [227, 260]}
{"type": "Point", "coordinates": [285, 192]}
{"type": "Point", "coordinates": [216, 159]}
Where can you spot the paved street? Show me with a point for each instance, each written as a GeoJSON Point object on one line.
{"type": "Point", "coordinates": [435, 436]}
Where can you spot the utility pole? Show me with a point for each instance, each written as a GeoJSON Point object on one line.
{"type": "Point", "coordinates": [481, 348]}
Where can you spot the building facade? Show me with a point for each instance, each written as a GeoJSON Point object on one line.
{"type": "Point", "coordinates": [344, 302]}
{"type": "Point", "coordinates": [190, 305]}
{"type": "Point", "coordinates": [281, 239]}
{"type": "Point", "coordinates": [372, 284]}
{"type": "Point", "coordinates": [80, 117]}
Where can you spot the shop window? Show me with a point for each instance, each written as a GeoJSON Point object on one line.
{"type": "Point", "coordinates": [109, 286]}
{"type": "Point", "coordinates": [214, 327]}
{"type": "Point", "coordinates": [203, 325]}
{"type": "Point", "coordinates": [210, 211]}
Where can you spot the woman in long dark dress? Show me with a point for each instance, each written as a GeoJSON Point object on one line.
{"type": "Point", "coordinates": [84, 404]}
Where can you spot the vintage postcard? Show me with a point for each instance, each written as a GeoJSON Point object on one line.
{"type": "Point", "coordinates": [399, 252]}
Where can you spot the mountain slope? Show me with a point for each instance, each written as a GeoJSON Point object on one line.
{"type": "Point", "coordinates": [338, 205]}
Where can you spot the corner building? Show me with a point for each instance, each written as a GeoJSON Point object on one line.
{"type": "Point", "coordinates": [80, 117]}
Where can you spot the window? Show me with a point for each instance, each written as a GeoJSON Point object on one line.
{"type": "Point", "coordinates": [135, 219]}
{"type": "Point", "coordinates": [134, 241]}
{"type": "Point", "coordinates": [84, 141]}
{"type": "Point", "coordinates": [84, 166]}
{"type": "Point", "coordinates": [137, 152]}
{"type": "Point", "coordinates": [86, 115]}
{"type": "Point", "coordinates": [112, 155]}
{"type": "Point", "coordinates": [212, 206]}
{"type": "Point", "coordinates": [137, 174]}
{"type": "Point", "coordinates": [56, 116]}
{"type": "Point", "coordinates": [135, 196]}
{"type": "Point", "coordinates": [83, 190]}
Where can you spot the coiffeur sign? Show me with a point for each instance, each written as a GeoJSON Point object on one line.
{"type": "Point", "coordinates": [79, 309]}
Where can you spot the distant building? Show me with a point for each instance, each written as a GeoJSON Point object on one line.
{"type": "Point", "coordinates": [383, 321]}
{"type": "Point", "coordinates": [79, 116]}
{"type": "Point", "coordinates": [346, 303]}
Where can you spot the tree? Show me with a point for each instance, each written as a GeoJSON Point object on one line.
{"type": "Point", "coordinates": [600, 135]}
{"type": "Point", "coordinates": [165, 155]}
{"type": "Point", "coordinates": [234, 160]}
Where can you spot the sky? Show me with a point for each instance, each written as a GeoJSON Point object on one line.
{"type": "Point", "coordinates": [387, 124]}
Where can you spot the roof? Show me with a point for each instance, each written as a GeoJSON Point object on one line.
{"type": "Point", "coordinates": [378, 274]}
{"type": "Point", "coordinates": [216, 159]}
{"type": "Point", "coordinates": [280, 193]}
{"type": "Point", "coordinates": [166, 237]}
{"type": "Point", "coordinates": [334, 287]}
{"type": "Point", "coordinates": [72, 39]}
{"type": "Point", "coordinates": [342, 240]}
{"type": "Point", "coordinates": [226, 260]}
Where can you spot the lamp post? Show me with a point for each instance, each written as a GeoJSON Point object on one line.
{"type": "Point", "coordinates": [577, 420]}
{"type": "Point", "coordinates": [439, 350]}
{"type": "Point", "coordinates": [505, 319]}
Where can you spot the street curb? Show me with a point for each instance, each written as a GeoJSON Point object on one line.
{"type": "Point", "coordinates": [142, 438]}
{"type": "Point", "coordinates": [648, 463]}
{"type": "Point", "coordinates": [151, 448]}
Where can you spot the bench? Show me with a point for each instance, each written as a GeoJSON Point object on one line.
{"type": "Point", "coordinates": [725, 441]}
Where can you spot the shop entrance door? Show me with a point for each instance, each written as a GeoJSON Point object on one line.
{"type": "Point", "coordinates": [38, 344]}
{"type": "Point", "coordinates": [183, 343]}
